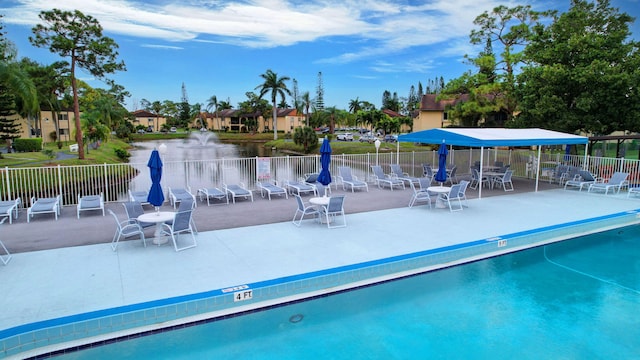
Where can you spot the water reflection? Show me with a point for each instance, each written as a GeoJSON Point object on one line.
{"type": "Point", "coordinates": [199, 149]}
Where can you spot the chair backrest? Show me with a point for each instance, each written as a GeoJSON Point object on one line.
{"type": "Point", "coordinates": [475, 174]}
{"type": "Point", "coordinates": [455, 191]}
{"type": "Point", "coordinates": [463, 187]}
{"type": "Point", "coordinates": [186, 204]}
{"type": "Point", "coordinates": [507, 176]}
{"type": "Point", "coordinates": [299, 201]}
{"type": "Point", "coordinates": [133, 209]}
{"type": "Point", "coordinates": [335, 204]}
{"type": "Point", "coordinates": [311, 178]}
{"type": "Point", "coordinates": [453, 171]}
{"type": "Point", "coordinates": [182, 220]}
{"type": "Point", "coordinates": [345, 173]}
{"type": "Point", "coordinates": [424, 183]}
{"type": "Point", "coordinates": [586, 176]}
{"type": "Point", "coordinates": [377, 171]}
{"type": "Point", "coordinates": [617, 178]}
{"type": "Point", "coordinates": [322, 190]}
{"type": "Point", "coordinates": [397, 170]}
{"type": "Point", "coordinates": [427, 170]}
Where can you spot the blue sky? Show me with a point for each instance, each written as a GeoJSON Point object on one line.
{"type": "Point", "coordinates": [220, 47]}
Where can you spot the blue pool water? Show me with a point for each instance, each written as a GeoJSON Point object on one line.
{"type": "Point", "coordinates": [576, 299]}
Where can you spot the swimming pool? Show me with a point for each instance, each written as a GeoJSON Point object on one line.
{"type": "Point", "coordinates": [573, 299]}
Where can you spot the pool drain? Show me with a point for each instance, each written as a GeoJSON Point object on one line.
{"type": "Point", "coordinates": [296, 318]}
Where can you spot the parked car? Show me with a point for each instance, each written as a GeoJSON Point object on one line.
{"type": "Point", "coordinates": [367, 138]}
{"type": "Point", "coordinates": [345, 137]}
{"type": "Point", "coordinates": [173, 129]}
{"type": "Point", "coordinates": [390, 138]}
{"type": "Point", "coordinates": [141, 131]}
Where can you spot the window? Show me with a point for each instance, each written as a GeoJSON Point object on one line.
{"type": "Point", "coordinates": [64, 117]}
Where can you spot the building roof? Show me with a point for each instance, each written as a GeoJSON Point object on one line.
{"type": "Point", "coordinates": [429, 102]}
{"type": "Point", "coordinates": [144, 113]}
{"type": "Point", "coordinates": [489, 137]}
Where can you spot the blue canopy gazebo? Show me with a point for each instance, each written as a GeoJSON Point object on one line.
{"type": "Point", "coordinates": [492, 137]}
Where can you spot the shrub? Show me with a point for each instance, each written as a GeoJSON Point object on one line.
{"type": "Point", "coordinates": [27, 145]}
{"type": "Point", "coordinates": [122, 154]}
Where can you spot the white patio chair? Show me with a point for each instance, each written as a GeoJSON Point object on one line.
{"type": "Point", "coordinates": [419, 194]}
{"type": "Point", "coordinates": [303, 210]}
{"type": "Point", "coordinates": [44, 206]}
{"type": "Point", "coordinates": [89, 203]}
{"type": "Point", "coordinates": [382, 178]}
{"type": "Point", "coordinates": [333, 211]}
{"type": "Point", "coordinates": [453, 195]}
{"type": "Point", "coordinates": [7, 257]}
{"type": "Point", "coordinates": [125, 228]}
{"type": "Point", "coordinates": [504, 180]}
{"type": "Point", "coordinates": [475, 179]}
{"type": "Point", "coordinates": [9, 208]}
{"type": "Point", "coordinates": [181, 224]}
{"type": "Point", "coordinates": [133, 209]}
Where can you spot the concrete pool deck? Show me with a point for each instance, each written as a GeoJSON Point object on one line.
{"type": "Point", "coordinates": [48, 284]}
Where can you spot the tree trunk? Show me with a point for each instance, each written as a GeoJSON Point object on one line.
{"type": "Point", "coordinates": [76, 110]}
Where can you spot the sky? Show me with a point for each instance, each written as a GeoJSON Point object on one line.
{"type": "Point", "coordinates": [221, 47]}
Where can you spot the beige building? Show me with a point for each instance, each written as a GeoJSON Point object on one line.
{"type": "Point", "coordinates": [235, 120]}
{"type": "Point", "coordinates": [148, 120]}
{"type": "Point", "coordinates": [45, 125]}
{"type": "Point", "coordinates": [432, 113]}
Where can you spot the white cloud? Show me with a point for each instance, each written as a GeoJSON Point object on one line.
{"type": "Point", "coordinates": [385, 26]}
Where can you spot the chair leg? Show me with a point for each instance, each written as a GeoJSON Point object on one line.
{"type": "Point", "coordinates": [5, 258]}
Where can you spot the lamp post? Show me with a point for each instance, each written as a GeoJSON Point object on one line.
{"type": "Point", "coordinates": [377, 144]}
{"type": "Point", "coordinates": [162, 149]}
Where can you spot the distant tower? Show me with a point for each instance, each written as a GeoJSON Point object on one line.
{"type": "Point", "coordinates": [320, 93]}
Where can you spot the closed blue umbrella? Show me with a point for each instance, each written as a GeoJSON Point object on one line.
{"type": "Point", "coordinates": [567, 152]}
{"type": "Point", "coordinates": [325, 159]}
{"type": "Point", "coordinates": [156, 196]}
{"type": "Point", "coordinates": [441, 175]}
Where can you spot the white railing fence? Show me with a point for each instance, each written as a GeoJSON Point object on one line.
{"type": "Point", "coordinates": [114, 180]}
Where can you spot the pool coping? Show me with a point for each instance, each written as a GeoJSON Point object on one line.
{"type": "Point", "coordinates": [119, 323]}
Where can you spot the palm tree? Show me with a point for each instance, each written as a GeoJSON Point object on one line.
{"type": "Point", "coordinates": [277, 86]}
{"type": "Point", "coordinates": [213, 103]}
{"type": "Point", "coordinates": [306, 99]}
{"type": "Point", "coordinates": [354, 105]}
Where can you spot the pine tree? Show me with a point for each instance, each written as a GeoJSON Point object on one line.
{"type": "Point", "coordinates": [320, 93]}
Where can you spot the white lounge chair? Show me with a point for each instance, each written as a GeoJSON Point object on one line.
{"type": "Point", "coordinates": [350, 180]}
{"type": "Point", "coordinates": [381, 178]}
{"type": "Point", "coordinates": [140, 196]}
{"type": "Point", "coordinates": [9, 208]}
{"type": "Point", "coordinates": [396, 171]}
{"type": "Point", "coordinates": [44, 206]}
{"type": "Point", "coordinates": [90, 202]}
{"type": "Point", "coordinates": [176, 195]}
{"type": "Point", "coordinates": [300, 187]}
{"type": "Point", "coordinates": [212, 193]}
{"type": "Point", "coordinates": [269, 188]}
{"type": "Point", "coordinates": [7, 257]}
{"type": "Point", "coordinates": [581, 179]}
{"type": "Point", "coordinates": [617, 181]}
{"type": "Point", "coordinates": [238, 191]}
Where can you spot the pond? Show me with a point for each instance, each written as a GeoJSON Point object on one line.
{"type": "Point", "coordinates": [200, 146]}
